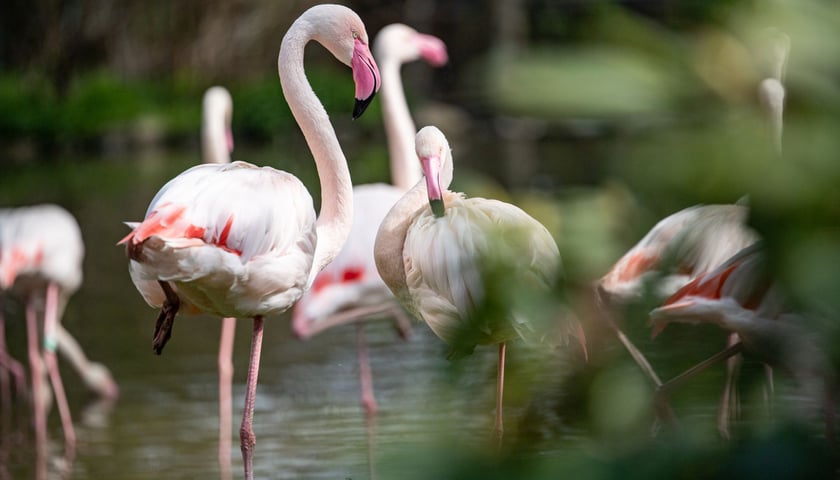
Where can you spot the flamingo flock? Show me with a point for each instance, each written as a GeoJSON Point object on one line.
{"type": "Point", "coordinates": [239, 241]}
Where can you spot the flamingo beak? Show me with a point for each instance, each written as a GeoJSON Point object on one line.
{"type": "Point", "coordinates": [432, 49]}
{"type": "Point", "coordinates": [431, 170]}
{"type": "Point", "coordinates": [365, 76]}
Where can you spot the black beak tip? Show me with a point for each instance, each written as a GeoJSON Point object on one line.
{"type": "Point", "coordinates": [437, 207]}
{"type": "Point", "coordinates": [361, 106]}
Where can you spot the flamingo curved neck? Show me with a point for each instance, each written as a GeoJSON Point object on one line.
{"type": "Point", "coordinates": [399, 127]}
{"type": "Point", "coordinates": [390, 239]}
{"type": "Point", "coordinates": [334, 220]}
{"type": "Point", "coordinates": [214, 146]}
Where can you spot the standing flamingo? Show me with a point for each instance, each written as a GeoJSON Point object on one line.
{"type": "Point", "coordinates": [696, 240]}
{"type": "Point", "coordinates": [41, 252]}
{"type": "Point", "coordinates": [436, 248]}
{"type": "Point", "coordinates": [236, 240]}
{"type": "Point", "coordinates": [349, 289]}
{"type": "Point", "coordinates": [740, 296]}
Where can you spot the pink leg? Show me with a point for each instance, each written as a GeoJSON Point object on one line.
{"type": "Point", "coordinates": [365, 375]}
{"type": "Point", "coordinates": [660, 398]}
{"type": "Point", "coordinates": [38, 400]}
{"type": "Point", "coordinates": [500, 387]}
{"type": "Point", "coordinates": [225, 395]}
{"type": "Point", "coordinates": [8, 365]}
{"type": "Point", "coordinates": [246, 431]}
{"type": "Point", "coordinates": [728, 408]}
{"type": "Point", "coordinates": [50, 344]}
{"type": "Point", "coordinates": [368, 398]}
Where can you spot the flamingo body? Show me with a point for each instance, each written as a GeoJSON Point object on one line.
{"type": "Point", "coordinates": [203, 233]}
{"type": "Point", "coordinates": [679, 247]}
{"type": "Point", "coordinates": [444, 259]}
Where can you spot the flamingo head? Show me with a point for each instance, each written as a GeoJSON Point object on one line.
{"type": "Point", "coordinates": [436, 160]}
{"type": "Point", "coordinates": [403, 44]}
{"type": "Point", "coordinates": [342, 32]}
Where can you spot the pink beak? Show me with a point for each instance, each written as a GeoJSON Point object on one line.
{"type": "Point", "coordinates": [431, 170]}
{"type": "Point", "coordinates": [366, 77]}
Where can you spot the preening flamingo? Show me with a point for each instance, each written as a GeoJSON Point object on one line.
{"type": "Point", "coordinates": [349, 289]}
{"type": "Point", "coordinates": [696, 240]}
{"type": "Point", "coordinates": [740, 296]}
{"type": "Point", "coordinates": [41, 253]}
{"type": "Point", "coordinates": [436, 249]}
{"type": "Point", "coordinates": [236, 240]}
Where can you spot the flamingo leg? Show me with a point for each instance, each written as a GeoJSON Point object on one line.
{"type": "Point", "coordinates": [163, 325]}
{"type": "Point", "coordinates": [39, 406]}
{"type": "Point", "coordinates": [368, 398]}
{"type": "Point", "coordinates": [225, 394]}
{"type": "Point", "coordinates": [729, 404]}
{"type": "Point", "coordinates": [246, 431]}
{"type": "Point", "coordinates": [50, 344]}
{"type": "Point", "coordinates": [500, 387]}
{"type": "Point", "coordinates": [8, 365]}
{"type": "Point", "coordinates": [662, 392]}
{"type": "Point", "coordinates": [637, 355]}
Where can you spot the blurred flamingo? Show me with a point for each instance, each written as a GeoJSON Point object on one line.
{"type": "Point", "coordinates": [236, 240]}
{"type": "Point", "coordinates": [740, 296]}
{"type": "Point", "coordinates": [436, 248]}
{"type": "Point", "coordinates": [349, 289]}
{"type": "Point", "coordinates": [41, 253]}
{"type": "Point", "coordinates": [696, 240]}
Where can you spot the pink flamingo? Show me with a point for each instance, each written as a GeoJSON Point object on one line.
{"type": "Point", "coordinates": [41, 252]}
{"type": "Point", "coordinates": [739, 296]}
{"type": "Point", "coordinates": [435, 247]}
{"type": "Point", "coordinates": [349, 289]}
{"type": "Point", "coordinates": [236, 240]}
{"type": "Point", "coordinates": [696, 240]}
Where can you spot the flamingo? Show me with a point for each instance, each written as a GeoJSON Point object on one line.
{"type": "Point", "coordinates": [236, 240]}
{"type": "Point", "coordinates": [41, 253]}
{"type": "Point", "coordinates": [696, 240]}
{"type": "Point", "coordinates": [435, 248]}
{"type": "Point", "coordinates": [740, 296]}
{"type": "Point", "coordinates": [349, 289]}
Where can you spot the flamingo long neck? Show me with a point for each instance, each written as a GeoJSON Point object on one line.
{"type": "Point", "coordinates": [399, 127]}
{"type": "Point", "coordinates": [390, 240]}
{"type": "Point", "coordinates": [214, 141]}
{"type": "Point", "coordinates": [336, 215]}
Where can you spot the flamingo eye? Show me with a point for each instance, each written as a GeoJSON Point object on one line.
{"type": "Point", "coordinates": [355, 34]}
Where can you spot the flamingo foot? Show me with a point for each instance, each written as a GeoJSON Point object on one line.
{"type": "Point", "coordinates": [163, 324]}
